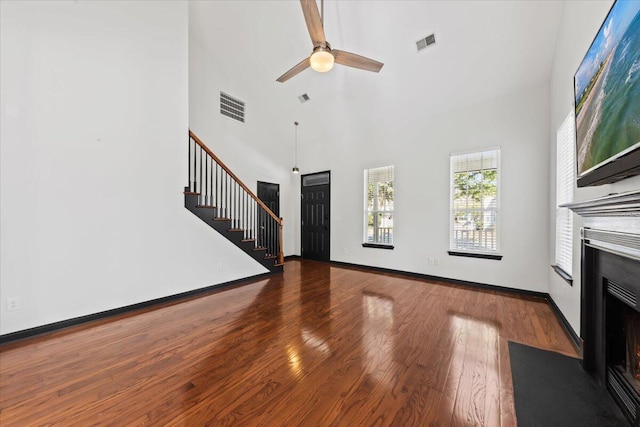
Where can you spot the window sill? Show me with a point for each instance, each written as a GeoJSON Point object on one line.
{"type": "Point", "coordinates": [475, 255]}
{"type": "Point", "coordinates": [566, 276]}
{"type": "Point", "coordinates": [376, 246]}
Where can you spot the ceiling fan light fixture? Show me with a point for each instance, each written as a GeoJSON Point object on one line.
{"type": "Point", "coordinates": [321, 59]}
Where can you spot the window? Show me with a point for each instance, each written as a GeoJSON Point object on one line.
{"type": "Point", "coordinates": [378, 217]}
{"type": "Point", "coordinates": [475, 204]}
{"type": "Point", "coordinates": [565, 161]}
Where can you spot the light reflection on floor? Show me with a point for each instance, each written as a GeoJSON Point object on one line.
{"type": "Point", "coordinates": [378, 337]}
{"type": "Point", "coordinates": [474, 366]}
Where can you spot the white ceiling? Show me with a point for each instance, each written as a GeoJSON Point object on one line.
{"type": "Point", "coordinates": [483, 48]}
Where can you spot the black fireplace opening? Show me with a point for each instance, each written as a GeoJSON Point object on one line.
{"type": "Point", "coordinates": [623, 341]}
{"type": "Point", "coordinates": [611, 325]}
{"type": "Point", "coordinates": [622, 330]}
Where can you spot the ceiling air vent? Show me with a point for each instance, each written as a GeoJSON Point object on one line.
{"type": "Point", "coordinates": [427, 41]}
{"type": "Point", "coordinates": [231, 107]}
{"type": "Point", "coordinates": [304, 97]}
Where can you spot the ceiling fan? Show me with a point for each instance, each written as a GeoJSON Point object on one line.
{"type": "Point", "coordinates": [323, 57]}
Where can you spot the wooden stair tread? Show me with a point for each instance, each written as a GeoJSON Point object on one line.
{"type": "Point", "coordinates": [278, 264]}
{"type": "Point", "coordinates": [237, 230]}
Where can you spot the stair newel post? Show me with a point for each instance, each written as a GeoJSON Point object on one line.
{"type": "Point", "coordinates": [201, 186]}
{"type": "Point", "coordinates": [195, 176]}
{"type": "Point", "coordinates": [217, 212]}
{"type": "Point", "coordinates": [272, 236]}
{"type": "Point", "coordinates": [235, 204]}
{"type": "Point", "coordinates": [270, 239]}
{"type": "Point", "coordinates": [189, 163]}
{"type": "Point", "coordinates": [226, 193]}
{"type": "Point", "coordinates": [206, 180]}
{"type": "Point", "coordinates": [211, 183]}
{"type": "Point", "coordinates": [272, 245]}
{"type": "Point", "coordinates": [253, 219]}
{"type": "Point", "coordinates": [280, 242]}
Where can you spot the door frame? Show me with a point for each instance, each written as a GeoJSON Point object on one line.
{"type": "Point", "coordinates": [269, 183]}
{"type": "Point", "coordinates": [302, 176]}
{"type": "Point", "coordinates": [261, 233]}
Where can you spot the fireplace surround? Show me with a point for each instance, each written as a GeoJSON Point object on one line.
{"type": "Point", "coordinates": [610, 296]}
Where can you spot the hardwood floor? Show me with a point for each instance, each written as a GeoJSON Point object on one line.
{"type": "Point", "coordinates": [320, 346]}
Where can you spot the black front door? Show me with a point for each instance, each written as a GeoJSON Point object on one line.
{"type": "Point", "coordinates": [316, 211]}
{"type": "Point", "coordinates": [270, 195]}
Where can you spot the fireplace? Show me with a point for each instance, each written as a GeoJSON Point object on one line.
{"type": "Point", "coordinates": [610, 305]}
{"type": "Point", "coordinates": [622, 346]}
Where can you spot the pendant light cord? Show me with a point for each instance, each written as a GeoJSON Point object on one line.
{"type": "Point", "coordinates": [296, 150]}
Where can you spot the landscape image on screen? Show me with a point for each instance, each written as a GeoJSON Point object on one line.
{"type": "Point", "coordinates": [607, 90]}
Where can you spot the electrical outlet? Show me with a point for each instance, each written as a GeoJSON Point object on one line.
{"type": "Point", "coordinates": [13, 304]}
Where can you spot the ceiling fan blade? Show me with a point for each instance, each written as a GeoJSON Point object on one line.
{"type": "Point", "coordinates": [356, 61]}
{"type": "Point", "coordinates": [301, 66]}
{"type": "Point", "coordinates": [314, 22]}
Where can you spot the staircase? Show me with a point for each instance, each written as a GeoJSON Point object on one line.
{"type": "Point", "coordinates": [216, 196]}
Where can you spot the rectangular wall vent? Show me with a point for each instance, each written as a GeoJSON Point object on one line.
{"type": "Point", "coordinates": [427, 41]}
{"type": "Point", "coordinates": [231, 107]}
{"type": "Point", "coordinates": [304, 97]}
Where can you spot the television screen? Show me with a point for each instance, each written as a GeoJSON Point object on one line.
{"type": "Point", "coordinates": [607, 99]}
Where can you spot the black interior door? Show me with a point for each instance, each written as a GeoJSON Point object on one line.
{"type": "Point", "coordinates": [270, 195]}
{"type": "Point", "coordinates": [316, 214]}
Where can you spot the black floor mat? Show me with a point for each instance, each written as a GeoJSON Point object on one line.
{"type": "Point", "coordinates": [551, 389]}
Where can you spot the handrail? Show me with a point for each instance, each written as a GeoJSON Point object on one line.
{"type": "Point", "coordinates": [235, 201]}
{"type": "Point", "coordinates": [226, 168]}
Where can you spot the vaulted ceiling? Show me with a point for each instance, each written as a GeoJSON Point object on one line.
{"type": "Point", "coordinates": [483, 48]}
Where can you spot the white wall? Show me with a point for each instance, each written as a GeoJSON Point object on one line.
{"type": "Point", "coordinates": [261, 148]}
{"type": "Point", "coordinates": [94, 100]}
{"type": "Point", "coordinates": [580, 23]}
{"type": "Point", "coordinates": [419, 146]}
{"type": "Point", "coordinates": [357, 120]}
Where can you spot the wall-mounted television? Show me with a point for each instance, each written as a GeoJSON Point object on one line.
{"type": "Point", "coordinates": [607, 100]}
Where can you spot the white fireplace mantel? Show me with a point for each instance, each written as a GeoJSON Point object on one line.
{"type": "Point", "coordinates": [611, 223]}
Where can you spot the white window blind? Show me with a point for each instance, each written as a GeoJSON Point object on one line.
{"type": "Point", "coordinates": [378, 218]}
{"type": "Point", "coordinates": [565, 163]}
{"type": "Point", "coordinates": [475, 202]}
